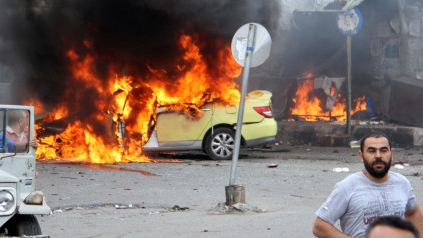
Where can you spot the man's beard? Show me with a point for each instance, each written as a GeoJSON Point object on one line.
{"type": "Point", "coordinates": [377, 173]}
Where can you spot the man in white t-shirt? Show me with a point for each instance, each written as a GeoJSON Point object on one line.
{"type": "Point", "coordinates": [364, 196]}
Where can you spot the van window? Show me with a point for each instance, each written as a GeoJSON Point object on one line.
{"type": "Point", "coordinates": [14, 130]}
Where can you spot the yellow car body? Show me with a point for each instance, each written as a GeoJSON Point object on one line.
{"type": "Point", "coordinates": [213, 133]}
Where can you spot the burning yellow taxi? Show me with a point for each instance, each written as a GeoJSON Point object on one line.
{"type": "Point", "coordinates": [214, 131]}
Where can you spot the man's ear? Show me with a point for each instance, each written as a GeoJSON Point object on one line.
{"type": "Point", "coordinates": [360, 154]}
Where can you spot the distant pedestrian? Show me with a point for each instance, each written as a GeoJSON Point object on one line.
{"type": "Point", "coordinates": [364, 196]}
{"type": "Point", "coordinates": [392, 227]}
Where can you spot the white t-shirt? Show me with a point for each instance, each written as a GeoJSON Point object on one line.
{"type": "Point", "coordinates": [357, 201]}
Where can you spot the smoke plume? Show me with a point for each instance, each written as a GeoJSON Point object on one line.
{"type": "Point", "coordinates": [35, 34]}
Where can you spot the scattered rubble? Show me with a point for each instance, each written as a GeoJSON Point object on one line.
{"type": "Point", "coordinates": [222, 208]}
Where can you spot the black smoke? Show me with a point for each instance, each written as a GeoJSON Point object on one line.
{"type": "Point", "coordinates": [133, 34]}
{"type": "Point", "coordinates": [137, 34]}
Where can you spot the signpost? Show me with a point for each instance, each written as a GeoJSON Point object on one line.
{"type": "Point", "coordinates": [250, 47]}
{"type": "Point", "coordinates": [349, 23]}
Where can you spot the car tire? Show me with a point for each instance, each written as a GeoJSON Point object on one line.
{"type": "Point", "coordinates": [220, 145]}
{"type": "Point", "coordinates": [23, 225]}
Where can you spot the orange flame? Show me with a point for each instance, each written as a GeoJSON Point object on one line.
{"type": "Point", "coordinates": [309, 106]}
{"type": "Point", "coordinates": [114, 129]}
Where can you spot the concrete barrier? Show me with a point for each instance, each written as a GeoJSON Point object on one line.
{"type": "Point", "coordinates": [334, 133]}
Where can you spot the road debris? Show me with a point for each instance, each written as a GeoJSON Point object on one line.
{"type": "Point", "coordinates": [178, 208]}
{"type": "Point", "coordinates": [124, 206]}
{"type": "Point", "coordinates": [339, 170]}
{"type": "Point", "coordinates": [222, 208]}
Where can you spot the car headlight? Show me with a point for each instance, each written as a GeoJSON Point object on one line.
{"type": "Point", "coordinates": [7, 201]}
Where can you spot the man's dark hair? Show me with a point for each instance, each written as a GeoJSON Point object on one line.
{"type": "Point", "coordinates": [375, 134]}
{"type": "Point", "coordinates": [395, 222]}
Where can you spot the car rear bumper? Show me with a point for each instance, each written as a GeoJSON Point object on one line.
{"type": "Point", "coordinates": [259, 133]}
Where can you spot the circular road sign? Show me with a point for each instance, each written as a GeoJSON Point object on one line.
{"type": "Point", "coordinates": [261, 47]}
{"type": "Point", "coordinates": [350, 22]}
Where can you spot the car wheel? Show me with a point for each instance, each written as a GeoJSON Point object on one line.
{"type": "Point", "coordinates": [23, 225]}
{"type": "Point", "coordinates": [221, 144]}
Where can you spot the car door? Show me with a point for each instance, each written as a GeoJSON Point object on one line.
{"type": "Point", "coordinates": [177, 129]}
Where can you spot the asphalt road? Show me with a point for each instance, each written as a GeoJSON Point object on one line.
{"type": "Point", "coordinates": [184, 195]}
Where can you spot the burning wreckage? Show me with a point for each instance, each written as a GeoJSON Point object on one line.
{"type": "Point", "coordinates": [149, 116]}
{"type": "Point", "coordinates": [210, 128]}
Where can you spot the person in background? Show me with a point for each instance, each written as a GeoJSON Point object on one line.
{"type": "Point", "coordinates": [15, 130]}
{"type": "Point", "coordinates": [392, 227]}
{"type": "Point", "coordinates": [363, 196]}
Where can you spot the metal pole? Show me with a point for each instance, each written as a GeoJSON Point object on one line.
{"type": "Point", "coordinates": [349, 85]}
{"type": "Point", "coordinates": [245, 74]}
